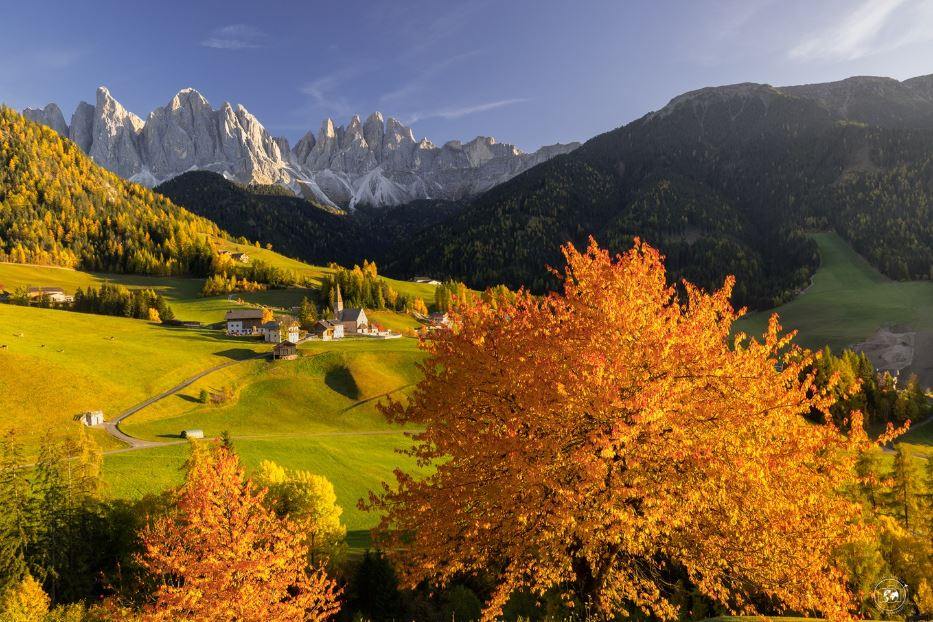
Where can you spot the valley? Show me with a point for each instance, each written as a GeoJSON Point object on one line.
{"type": "Point", "coordinates": [366, 377]}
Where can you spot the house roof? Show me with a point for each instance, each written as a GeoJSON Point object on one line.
{"type": "Point", "coordinates": [285, 344]}
{"type": "Point", "coordinates": [271, 325]}
{"type": "Point", "coordinates": [244, 314]}
{"type": "Point", "coordinates": [351, 315]}
{"type": "Point", "coordinates": [45, 290]}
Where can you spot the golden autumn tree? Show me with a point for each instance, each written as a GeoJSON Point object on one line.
{"type": "Point", "coordinates": [223, 555]}
{"type": "Point", "coordinates": [599, 441]}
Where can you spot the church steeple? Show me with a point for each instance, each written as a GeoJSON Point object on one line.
{"type": "Point", "coordinates": [338, 304]}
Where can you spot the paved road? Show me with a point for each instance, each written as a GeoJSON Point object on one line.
{"type": "Point", "coordinates": [246, 437]}
{"type": "Point", "coordinates": [113, 426]}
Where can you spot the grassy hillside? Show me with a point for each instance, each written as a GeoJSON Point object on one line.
{"type": "Point", "coordinates": [57, 364]}
{"type": "Point", "coordinates": [354, 464]}
{"type": "Point", "coordinates": [183, 293]}
{"type": "Point", "coordinates": [849, 301]}
{"type": "Point", "coordinates": [334, 387]}
{"type": "Point", "coordinates": [316, 413]}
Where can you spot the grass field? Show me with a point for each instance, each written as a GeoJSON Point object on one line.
{"type": "Point", "coordinates": [419, 290]}
{"type": "Point", "coordinates": [354, 465]}
{"type": "Point", "coordinates": [316, 413]}
{"type": "Point", "coordinates": [333, 387]}
{"type": "Point", "coordinates": [57, 364]}
{"type": "Point", "coordinates": [183, 294]}
{"type": "Point", "coordinates": [848, 301]}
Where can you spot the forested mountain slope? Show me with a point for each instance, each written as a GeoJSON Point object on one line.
{"type": "Point", "coordinates": [724, 180]}
{"type": "Point", "coordinates": [58, 207]}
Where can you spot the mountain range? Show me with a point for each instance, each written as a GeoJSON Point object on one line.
{"type": "Point", "coordinates": [374, 163]}
{"type": "Point", "coordinates": [724, 180]}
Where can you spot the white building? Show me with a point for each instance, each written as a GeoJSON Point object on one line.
{"type": "Point", "coordinates": [243, 321]}
{"type": "Point", "coordinates": [93, 417]}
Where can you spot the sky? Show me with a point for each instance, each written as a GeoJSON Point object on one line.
{"type": "Point", "coordinates": [529, 72]}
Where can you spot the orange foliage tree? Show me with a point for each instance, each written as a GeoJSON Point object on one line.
{"type": "Point", "coordinates": [224, 556]}
{"type": "Point", "coordinates": [597, 442]}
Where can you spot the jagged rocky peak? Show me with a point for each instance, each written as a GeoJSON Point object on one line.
{"type": "Point", "coordinates": [189, 98]}
{"type": "Point", "coordinates": [51, 116]}
{"type": "Point", "coordinates": [81, 129]}
{"type": "Point", "coordinates": [376, 162]}
{"type": "Point", "coordinates": [110, 111]}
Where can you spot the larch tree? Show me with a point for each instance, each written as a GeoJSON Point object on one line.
{"type": "Point", "coordinates": [309, 501]}
{"type": "Point", "coordinates": [596, 442]}
{"type": "Point", "coordinates": [223, 555]}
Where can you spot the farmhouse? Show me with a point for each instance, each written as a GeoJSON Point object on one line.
{"type": "Point", "coordinates": [54, 294]}
{"type": "Point", "coordinates": [241, 257]}
{"type": "Point", "coordinates": [284, 329]}
{"type": "Point", "coordinates": [93, 417]}
{"type": "Point", "coordinates": [425, 279]}
{"type": "Point", "coordinates": [243, 321]}
{"type": "Point", "coordinates": [354, 320]}
{"type": "Point", "coordinates": [439, 318]}
{"type": "Point", "coordinates": [285, 351]}
{"type": "Point", "coordinates": [328, 330]}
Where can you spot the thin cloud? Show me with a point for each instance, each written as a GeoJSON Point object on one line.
{"type": "Point", "coordinates": [324, 90]}
{"type": "Point", "coordinates": [857, 36]}
{"type": "Point", "coordinates": [234, 37]}
{"type": "Point", "coordinates": [463, 111]}
{"type": "Point", "coordinates": [420, 82]}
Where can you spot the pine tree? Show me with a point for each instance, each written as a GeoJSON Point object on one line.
{"type": "Point", "coordinates": [17, 512]}
{"type": "Point", "coordinates": [907, 489]}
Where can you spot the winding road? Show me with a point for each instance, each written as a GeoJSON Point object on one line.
{"type": "Point", "coordinates": [113, 426]}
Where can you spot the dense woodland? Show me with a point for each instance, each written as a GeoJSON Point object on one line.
{"type": "Point", "coordinates": [117, 300]}
{"type": "Point", "coordinates": [363, 287]}
{"type": "Point", "coordinates": [294, 226]}
{"type": "Point", "coordinates": [59, 208]}
{"type": "Point", "coordinates": [723, 183]}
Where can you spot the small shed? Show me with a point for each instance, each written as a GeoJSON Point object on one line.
{"type": "Point", "coordinates": [93, 417]}
{"type": "Point", "coordinates": [192, 433]}
{"type": "Point", "coordinates": [285, 351]}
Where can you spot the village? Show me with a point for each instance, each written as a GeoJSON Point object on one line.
{"type": "Point", "coordinates": [285, 332]}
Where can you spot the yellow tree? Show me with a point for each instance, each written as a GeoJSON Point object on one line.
{"type": "Point", "coordinates": [601, 440]}
{"type": "Point", "coordinates": [308, 500]}
{"type": "Point", "coordinates": [25, 602]}
{"type": "Point", "coordinates": [223, 555]}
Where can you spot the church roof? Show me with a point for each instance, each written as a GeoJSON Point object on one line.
{"type": "Point", "coordinates": [351, 315]}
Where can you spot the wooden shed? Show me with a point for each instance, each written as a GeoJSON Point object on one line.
{"type": "Point", "coordinates": [286, 351]}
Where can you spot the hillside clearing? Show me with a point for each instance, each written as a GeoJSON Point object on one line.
{"type": "Point", "coordinates": [849, 302]}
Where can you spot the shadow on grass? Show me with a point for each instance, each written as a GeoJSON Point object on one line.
{"type": "Point", "coordinates": [341, 380]}
{"type": "Point", "coordinates": [236, 354]}
{"type": "Point", "coordinates": [359, 539]}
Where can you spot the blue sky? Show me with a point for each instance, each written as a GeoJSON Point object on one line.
{"type": "Point", "coordinates": [527, 72]}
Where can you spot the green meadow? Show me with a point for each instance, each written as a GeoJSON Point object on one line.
{"type": "Point", "coordinates": [333, 388]}
{"type": "Point", "coordinates": [848, 301]}
{"type": "Point", "coordinates": [57, 364]}
{"type": "Point", "coordinates": [354, 465]}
